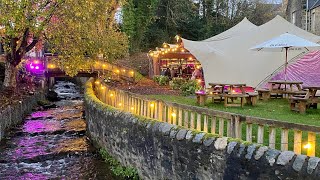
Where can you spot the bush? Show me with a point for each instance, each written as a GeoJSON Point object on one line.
{"type": "Point", "coordinates": [161, 80]}
{"type": "Point", "coordinates": [176, 83]}
{"type": "Point", "coordinates": [190, 87]}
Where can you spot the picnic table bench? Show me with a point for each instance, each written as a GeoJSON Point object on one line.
{"type": "Point", "coordinates": [219, 94]}
{"type": "Point", "coordinates": [300, 103]}
{"type": "Point", "coordinates": [280, 88]}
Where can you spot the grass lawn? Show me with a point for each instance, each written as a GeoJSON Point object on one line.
{"type": "Point", "coordinates": [277, 109]}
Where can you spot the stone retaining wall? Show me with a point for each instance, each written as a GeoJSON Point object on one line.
{"type": "Point", "coordinates": [163, 151]}
{"type": "Point", "coordinates": [14, 113]}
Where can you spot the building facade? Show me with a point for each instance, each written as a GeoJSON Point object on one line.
{"type": "Point", "coordinates": [304, 14]}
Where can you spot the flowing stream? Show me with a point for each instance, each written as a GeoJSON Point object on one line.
{"type": "Point", "coordinates": [51, 143]}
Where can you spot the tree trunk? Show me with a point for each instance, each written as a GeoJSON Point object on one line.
{"type": "Point", "coordinates": [10, 80]}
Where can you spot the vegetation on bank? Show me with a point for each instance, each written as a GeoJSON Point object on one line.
{"type": "Point", "coordinates": [117, 168]}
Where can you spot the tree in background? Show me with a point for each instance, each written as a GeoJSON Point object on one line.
{"type": "Point", "coordinates": [192, 19]}
{"type": "Point", "coordinates": [75, 29]}
{"type": "Point", "coordinates": [137, 16]}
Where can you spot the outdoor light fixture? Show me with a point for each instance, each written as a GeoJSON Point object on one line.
{"type": "Point", "coordinates": [307, 146]}
{"type": "Point", "coordinates": [152, 105]}
{"type": "Point", "coordinates": [174, 115]}
{"type": "Point", "coordinates": [51, 66]}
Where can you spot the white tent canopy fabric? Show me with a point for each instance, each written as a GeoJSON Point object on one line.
{"type": "Point", "coordinates": [242, 27]}
{"type": "Point", "coordinates": [230, 60]}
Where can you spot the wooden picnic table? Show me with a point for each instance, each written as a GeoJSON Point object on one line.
{"type": "Point", "coordinates": [310, 100]}
{"type": "Point", "coordinates": [218, 90]}
{"type": "Point", "coordinates": [281, 87]}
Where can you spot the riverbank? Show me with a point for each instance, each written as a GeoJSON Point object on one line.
{"type": "Point", "coordinates": [51, 143]}
{"type": "Point", "coordinates": [12, 112]}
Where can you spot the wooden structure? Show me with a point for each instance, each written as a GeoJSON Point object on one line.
{"type": "Point", "coordinates": [310, 100]}
{"type": "Point", "coordinates": [97, 68]}
{"type": "Point", "coordinates": [250, 129]}
{"type": "Point", "coordinates": [218, 93]}
{"type": "Point", "coordinates": [283, 88]}
{"type": "Point", "coordinates": [173, 57]}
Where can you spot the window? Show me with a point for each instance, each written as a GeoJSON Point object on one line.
{"type": "Point", "coordinates": [293, 17]}
{"type": "Point", "coordinates": [313, 21]}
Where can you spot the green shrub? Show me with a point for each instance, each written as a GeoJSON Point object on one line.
{"type": "Point", "coordinates": [176, 83]}
{"type": "Point", "coordinates": [161, 80]}
{"type": "Point", "coordinates": [117, 168]}
{"type": "Point", "coordinates": [190, 87]}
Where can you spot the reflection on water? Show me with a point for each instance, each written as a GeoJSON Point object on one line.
{"type": "Point", "coordinates": [51, 144]}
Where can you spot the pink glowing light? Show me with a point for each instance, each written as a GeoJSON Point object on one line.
{"type": "Point", "coordinates": [37, 67]}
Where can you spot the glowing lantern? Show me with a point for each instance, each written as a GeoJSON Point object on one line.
{"type": "Point", "coordinates": [307, 146]}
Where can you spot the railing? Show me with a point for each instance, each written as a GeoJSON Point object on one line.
{"type": "Point", "coordinates": [275, 134]}
{"type": "Point", "coordinates": [101, 68]}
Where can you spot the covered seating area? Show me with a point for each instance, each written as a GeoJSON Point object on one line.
{"type": "Point", "coordinates": [173, 60]}
{"type": "Point", "coordinates": [227, 59]}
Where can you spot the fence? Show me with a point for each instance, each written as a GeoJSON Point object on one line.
{"type": "Point", "coordinates": [276, 134]}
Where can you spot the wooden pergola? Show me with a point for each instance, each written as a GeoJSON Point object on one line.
{"type": "Point", "coordinates": [170, 56]}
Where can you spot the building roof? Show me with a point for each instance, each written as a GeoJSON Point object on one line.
{"type": "Point", "coordinates": [313, 4]}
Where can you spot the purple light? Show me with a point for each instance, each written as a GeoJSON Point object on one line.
{"type": "Point", "coordinates": [37, 67]}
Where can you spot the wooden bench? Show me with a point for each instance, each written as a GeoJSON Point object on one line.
{"type": "Point", "coordinates": [252, 98]}
{"type": "Point", "coordinates": [299, 104]}
{"type": "Point", "coordinates": [227, 103]}
{"type": "Point", "coordinates": [264, 94]}
{"type": "Point", "coordinates": [216, 97]}
{"type": "Point", "coordinates": [201, 98]}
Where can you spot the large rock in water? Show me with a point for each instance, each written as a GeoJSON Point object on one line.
{"type": "Point", "coordinates": [52, 95]}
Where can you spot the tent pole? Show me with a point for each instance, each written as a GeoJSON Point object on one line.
{"type": "Point", "coordinates": [286, 64]}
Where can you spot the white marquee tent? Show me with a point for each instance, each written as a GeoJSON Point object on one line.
{"type": "Point", "coordinates": [227, 58]}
